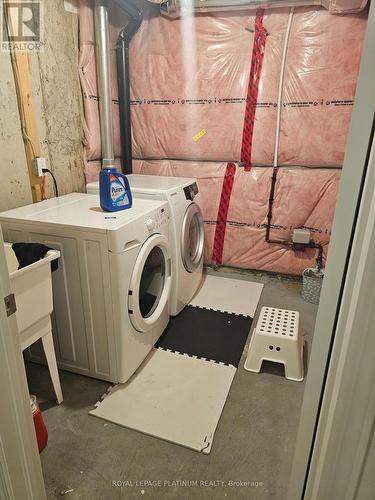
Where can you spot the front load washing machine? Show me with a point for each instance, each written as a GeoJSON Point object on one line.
{"type": "Point", "coordinates": [187, 230]}
{"type": "Point", "coordinates": [112, 288]}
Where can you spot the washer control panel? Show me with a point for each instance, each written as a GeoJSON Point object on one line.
{"type": "Point", "coordinates": [150, 223]}
{"type": "Point", "coordinates": [191, 191]}
{"type": "Point", "coordinates": [158, 219]}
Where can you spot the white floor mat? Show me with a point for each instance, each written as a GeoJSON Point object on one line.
{"type": "Point", "coordinates": [229, 295]}
{"type": "Point", "coordinates": [173, 397]}
{"type": "Point", "coordinates": [179, 397]}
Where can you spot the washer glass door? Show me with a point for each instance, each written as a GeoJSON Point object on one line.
{"type": "Point", "coordinates": [192, 238]}
{"type": "Point", "coordinates": [150, 284]}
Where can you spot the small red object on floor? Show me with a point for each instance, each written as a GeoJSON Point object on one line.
{"type": "Point", "coordinates": [40, 427]}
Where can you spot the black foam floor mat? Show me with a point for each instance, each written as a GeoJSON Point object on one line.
{"type": "Point", "coordinates": [214, 335]}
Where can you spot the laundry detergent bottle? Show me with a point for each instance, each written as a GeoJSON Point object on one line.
{"type": "Point", "coordinates": [114, 189]}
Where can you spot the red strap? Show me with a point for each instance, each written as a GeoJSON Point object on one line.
{"type": "Point", "coordinates": [221, 222]}
{"type": "Point", "coordinates": [260, 35]}
{"type": "Point", "coordinates": [259, 45]}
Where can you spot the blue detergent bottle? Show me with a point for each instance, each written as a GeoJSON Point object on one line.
{"type": "Point", "coordinates": [114, 190]}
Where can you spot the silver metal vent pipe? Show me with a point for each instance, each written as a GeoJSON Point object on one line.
{"type": "Point", "coordinates": [103, 79]}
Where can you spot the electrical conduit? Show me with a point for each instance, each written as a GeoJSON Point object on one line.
{"type": "Point", "coordinates": [290, 244]}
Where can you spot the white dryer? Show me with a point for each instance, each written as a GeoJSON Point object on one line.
{"type": "Point", "coordinates": [112, 289]}
{"type": "Point", "coordinates": [187, 229]}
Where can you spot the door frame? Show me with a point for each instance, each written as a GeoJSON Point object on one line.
{"type": "Point", "coordinates": [347, 415]}
{"type": "Point", "coordinates": [347, 248]}
{"type": "Point", "coordinates": [20, 467]}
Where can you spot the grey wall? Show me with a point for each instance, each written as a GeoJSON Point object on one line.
{"type": "Point", "coordinates": [14, 180]}
{"type": "Point", "coordinates": [57, 98]}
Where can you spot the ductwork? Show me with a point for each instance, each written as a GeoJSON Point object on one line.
{"type": "Point", "coordinates": [103, 78]}
{"type": "Point", "coordinates": [176, 8]}
{"type": "Point", "coordinates": [122, 50]}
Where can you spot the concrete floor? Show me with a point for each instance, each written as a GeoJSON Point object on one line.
{"type": "Point", "coordinates": [253, 445]}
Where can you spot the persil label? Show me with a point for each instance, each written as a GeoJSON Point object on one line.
{"type": "Point", "coordinates": [119, 195]}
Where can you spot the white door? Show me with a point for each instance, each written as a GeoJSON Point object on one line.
{"type": "Point", "coordinates": [20, 469]}
{"type": "Point", "coordinates": [192, 238]}
{"type": "Point", "coordinates": [150, 284]}
{"type": "Point", "coordinates": [336, 424]}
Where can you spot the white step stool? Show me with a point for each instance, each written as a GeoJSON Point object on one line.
{"type": "Point", "coordinates": [278, 338]}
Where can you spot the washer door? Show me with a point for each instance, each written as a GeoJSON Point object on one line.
{"type": "Point", "coordinates": [192, 238]}
{"type": "Point", "coordinates": [150, 284]}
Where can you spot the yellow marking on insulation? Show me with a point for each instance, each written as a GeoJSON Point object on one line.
{"type": "Point", "coordinates": [200, 134]}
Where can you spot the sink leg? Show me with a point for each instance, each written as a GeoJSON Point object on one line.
{"type": "Point", "coordinates": [49, 351]}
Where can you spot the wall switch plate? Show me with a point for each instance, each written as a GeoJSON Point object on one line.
{"type": "Point", "coordinates": [39, 163]}
{"type": "Point", "coordinates": [301, 236]}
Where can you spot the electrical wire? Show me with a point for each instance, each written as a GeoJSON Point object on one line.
{"type": "Point", "coordinates": [43, 190]}
{"type": "Point", "coordinates": [48, 171]}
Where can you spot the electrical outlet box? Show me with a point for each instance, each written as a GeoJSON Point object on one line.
{"type": "Point", "coordinates": [301, 236]}
{"type": "Point", "coordinates": [38, 164]}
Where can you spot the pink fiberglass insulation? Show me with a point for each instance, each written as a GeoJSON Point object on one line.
{"type": "Point", "coordinates": [344, 6]}
{"type": "Point", "coordinates": [304, 198]}
{"type": "Point", "coordinates": [191, 76]}
{"type": "Point", "coordinates": [321, 72]}
{"type": "Point", "coordinates": [189, 79]}
{"type": "Point", "coordinates": [189, 82]}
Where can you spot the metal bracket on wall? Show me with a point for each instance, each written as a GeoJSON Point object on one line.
{"type": "Point", "coordinates": [10, 304]}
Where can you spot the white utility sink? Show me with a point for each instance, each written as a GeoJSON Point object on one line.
{"type": "Point", "coordinates": [32, 288]}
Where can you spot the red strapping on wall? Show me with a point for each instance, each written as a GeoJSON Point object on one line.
{"type": "Point", "coordinates": [221, 221]}
{"type": "Point", "coordinates": [260, 36]}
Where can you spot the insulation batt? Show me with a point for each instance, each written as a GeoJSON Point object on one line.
{"type": "Point", "coordinates": [305, 197]}
{"type": "Point", "coordinates": [344, 6]}
{"type": "Point", "coordinates": [189, 87]}
{"type": "Point", "coordinates": [192, 76]}
{"type": "Point", "coordinates": [245, 245]}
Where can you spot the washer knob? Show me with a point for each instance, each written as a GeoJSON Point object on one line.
{"type": "Point", "coordinates": [150, 223]}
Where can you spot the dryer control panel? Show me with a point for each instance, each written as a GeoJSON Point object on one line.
{"type": "Point", "coordinates": [158, 219]}
{"type": "Point", "coordinates": [191, 191]}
